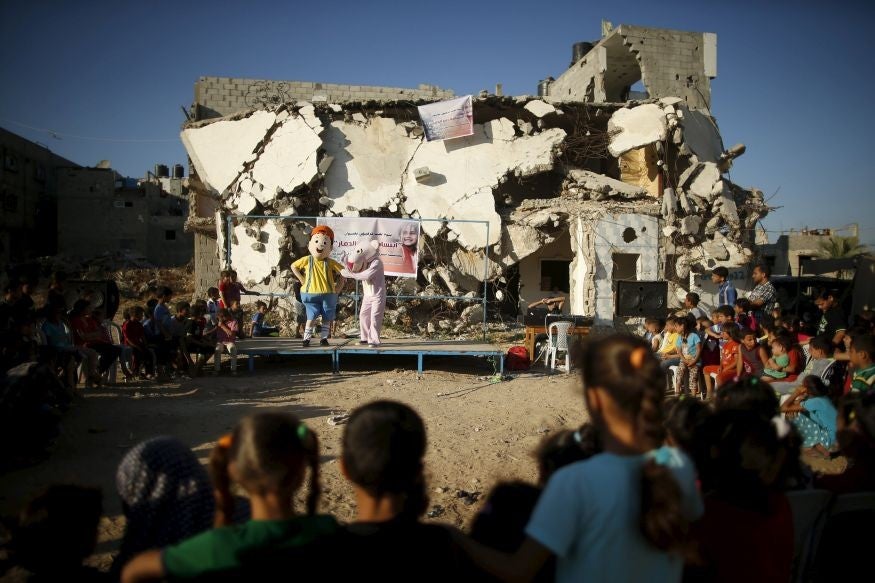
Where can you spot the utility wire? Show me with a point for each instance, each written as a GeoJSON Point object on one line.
{"type": "Point", "coordinates": [61, 135]}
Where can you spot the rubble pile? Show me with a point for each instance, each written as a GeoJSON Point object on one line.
{"type": "Point", "coordinates": [534, 170]}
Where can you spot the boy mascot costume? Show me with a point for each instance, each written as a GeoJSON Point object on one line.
{"type": "Point", "coordinates": [364, 265]}
{"type": "Point", "coordinates": [320, 282]}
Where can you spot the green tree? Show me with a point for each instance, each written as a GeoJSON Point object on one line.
{"type": "Point", "coordinates": [840, 247]}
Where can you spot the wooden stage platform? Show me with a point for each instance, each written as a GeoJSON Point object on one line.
{"type": "Point", "coordinates": [350, 346]}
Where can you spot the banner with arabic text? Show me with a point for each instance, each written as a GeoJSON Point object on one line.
{"type": "Point", "coordinates": [398, 238]}
{"type": "Point", "coordinates": [445, 120]}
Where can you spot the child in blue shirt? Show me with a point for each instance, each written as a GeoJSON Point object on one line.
{"type": "Point", "coordinates": [813, 414]}
{"type": "Point", "coordinates": [260, 327]}
{"type": "Point", "coordinates": [689, 344]}
{"type": "Point", "coordinates": [600, 517]}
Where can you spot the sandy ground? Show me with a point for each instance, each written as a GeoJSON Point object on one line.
{"type": "Point", "coordinates": [480, 431]}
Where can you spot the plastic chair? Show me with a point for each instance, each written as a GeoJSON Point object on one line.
{"type": "Point", "coordinates": [809, 508]}
{"type": "Point", "coordinates": [560, 344]}
{"type": "Point", "coordinates": [124, 359]}
{"type": "Point", "coordinates": [840, 551]}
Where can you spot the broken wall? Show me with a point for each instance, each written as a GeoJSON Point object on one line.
{"type": "Point", "coordinates": [530, 288]}
{"type": "Point", "coordinates": [536, 172]}
{"type": "Point", "coordinates": [221, 96]}
{"type": "Point", "coordinates": [669, 63]}
{"type": "Point", "coordinates": [619, 238]}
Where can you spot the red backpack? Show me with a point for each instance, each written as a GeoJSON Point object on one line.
{"type": "Point", "coordinates": [517, 358]}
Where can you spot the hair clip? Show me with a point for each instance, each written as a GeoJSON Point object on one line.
{"type": "Point", "coordinates": [302, 432]}
{"type": "Point", "coordinates": [664, 456]}
{"type": "Point", "coordinates": [577, 438]}
{"type": "Point", "coordinates": [225, 441]}
{"type": "Point", "coordinates": [636, 358]}
{"type": "Point", "coordinates": [754, 381]}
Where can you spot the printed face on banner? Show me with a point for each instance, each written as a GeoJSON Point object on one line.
{"type": "Point", "coordinates": [398, 240]}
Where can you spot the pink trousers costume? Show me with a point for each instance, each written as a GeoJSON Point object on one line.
{"type": "Point", "coordinates": [373, 281]}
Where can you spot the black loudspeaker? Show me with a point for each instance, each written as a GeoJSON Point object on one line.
{"type": "Point", "coordinates": [643, 299]}
{"type": "Point", "coordinates": [102, 294]}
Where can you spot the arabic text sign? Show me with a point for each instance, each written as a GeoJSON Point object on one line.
{"type": "Point", "coordinates": [447, 119]}
{"type": "Point", "coordinates": [399, 240]}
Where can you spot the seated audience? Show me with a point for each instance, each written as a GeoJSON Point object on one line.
{"type": "Point", "coordinates": [166, 497]}
{"type": "Point", "coordinates": [269, 455]}
{"type": "Point", "coordinates": [813, 414]}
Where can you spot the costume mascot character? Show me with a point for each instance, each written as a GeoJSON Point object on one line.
{"type": "Point", "coordinates": [364, 264]}
{"type": "Point", "coordinates": [320, 282]}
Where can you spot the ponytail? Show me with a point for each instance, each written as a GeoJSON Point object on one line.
{"type": "Point", "coordinates": [662, 520]}
{"type": "Point", "coordinates": [311, 447]}
{"type": "Point", "coordinates": [218, 467]}
{"type": "Point", "coordinates": [271, 453]}
{"type": "Point", "coordinates": [625, 366]}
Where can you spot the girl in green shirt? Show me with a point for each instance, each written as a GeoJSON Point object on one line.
{"type": "Point", "coordinates": [267, 455]}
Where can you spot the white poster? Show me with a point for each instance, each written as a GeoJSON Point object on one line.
{"type": "Point", "coordinates": [445, 120]}
{"type": "Point", "coordinates": [398, 238]}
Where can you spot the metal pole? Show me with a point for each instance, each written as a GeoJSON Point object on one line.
{"type": "Point", "coordinates": [228, 232]}
{"type": "Point", "coordinates": [485, 276]}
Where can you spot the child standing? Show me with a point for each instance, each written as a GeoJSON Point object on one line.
{"type": "Point", "coordinates": [776, 367]}
{"type": "Point", "coordinates": [212, 304]}
{"type": "Point", "coordinates": [621, 515]}
{"type": "Point", "coordinates": [268, 456]}
{"type": "Point", "coordinates": [689, 346]}
{"type": "Point", "coordinates": [730, 360]}
{"type": "Point", "coordinates": [813, 414]}
{"type": "Point", "coordinates": [226, 340]}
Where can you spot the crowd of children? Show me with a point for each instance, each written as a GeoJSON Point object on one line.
{"type": "Point", "coordinates": [650, 489]}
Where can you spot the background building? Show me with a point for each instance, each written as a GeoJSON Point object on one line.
{"type": "Point", "coordinates": [28, 198]}
{"type": "Point", "coordinates": [100, 211]}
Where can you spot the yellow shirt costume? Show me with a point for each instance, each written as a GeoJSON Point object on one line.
{"type": "Point", "coordinates": [316, 274]}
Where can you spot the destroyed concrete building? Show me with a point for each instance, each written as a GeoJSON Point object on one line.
{"type": "Point", "coordinates": [581, 188]}
{"type": "Point", "coordinates": [137, 218]}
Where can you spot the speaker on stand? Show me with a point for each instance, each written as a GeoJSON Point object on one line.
{"type": "Point", "coordinates": [641, 299]}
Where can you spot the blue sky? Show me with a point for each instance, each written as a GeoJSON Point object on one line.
{"type": "Point", "coordinates": [794, 78]}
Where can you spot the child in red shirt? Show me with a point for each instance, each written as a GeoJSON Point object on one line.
{"type": "Point", "coordinates": [730, 359]}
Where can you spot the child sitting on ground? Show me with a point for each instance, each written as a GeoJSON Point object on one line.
{"type": "Point", "coordinates": [623, 514]}
{"type": "Point", "coordinates": [730, 361]}
{"type": "Point", "coordinates": [813, 414]}
{"type": "Point", "coordinates": [226, 340]}
{"type": "Point", "coordinates": [269, 455]}
{"type": "Point", "coordinates": [776, 366]}
{"type": "Point", "coordinates": [260, 327]}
